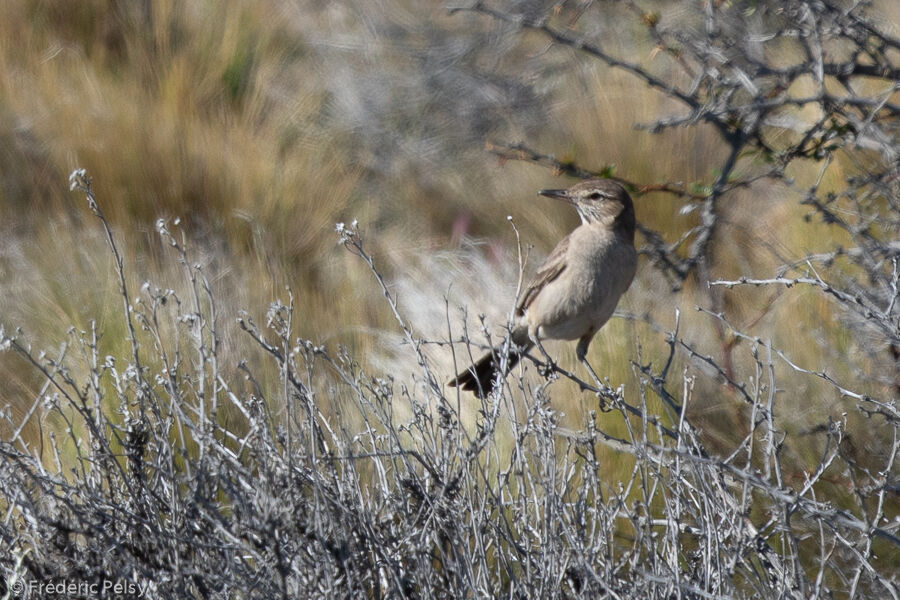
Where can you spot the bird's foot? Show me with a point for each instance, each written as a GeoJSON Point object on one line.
{"type": "Point", "coordinates": [548, 370]}
{"type": "Point", "coordinates": [604, 404]}
{"type": "Point", "coordinates": [603, 394]}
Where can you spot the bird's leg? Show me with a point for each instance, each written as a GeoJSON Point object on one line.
{"type": "Point", "coordinates": [581, 353]}
{"type": "Point", "coordinates": [583, 343]}
{"type": "Point", "coordinates": [547, 369]}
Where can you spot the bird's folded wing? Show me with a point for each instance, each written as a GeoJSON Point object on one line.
{"type": "Point", "coordinates": [550, 270]}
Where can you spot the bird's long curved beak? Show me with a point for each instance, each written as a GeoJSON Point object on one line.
{"type": "Point", "coordinates": [558, 194]}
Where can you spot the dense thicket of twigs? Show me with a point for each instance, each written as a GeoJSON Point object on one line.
{"type": "Point", "coordinates": [190, 478]}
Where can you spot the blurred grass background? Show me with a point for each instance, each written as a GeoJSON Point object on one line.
{"type": "Point", "coordinates": [260, 125]}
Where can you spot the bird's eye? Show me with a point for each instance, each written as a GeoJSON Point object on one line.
{"type": "Point", "coordinates": [594, 196]}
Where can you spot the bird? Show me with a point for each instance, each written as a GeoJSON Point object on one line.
{"type": "Point", "coordinates": [576, 289]}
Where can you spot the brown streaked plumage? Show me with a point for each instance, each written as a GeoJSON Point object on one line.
{"type": "Point", "coordinates": [575, 291]}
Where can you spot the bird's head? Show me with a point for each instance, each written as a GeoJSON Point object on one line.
{"type": "Point", "coordinates": [602, 201]}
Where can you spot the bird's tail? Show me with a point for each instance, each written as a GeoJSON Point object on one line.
{"type": "Point", "coordinates": [480, 377]}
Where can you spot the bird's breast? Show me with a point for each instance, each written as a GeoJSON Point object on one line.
{"type": "Point", "coordinates": [600, 266]}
